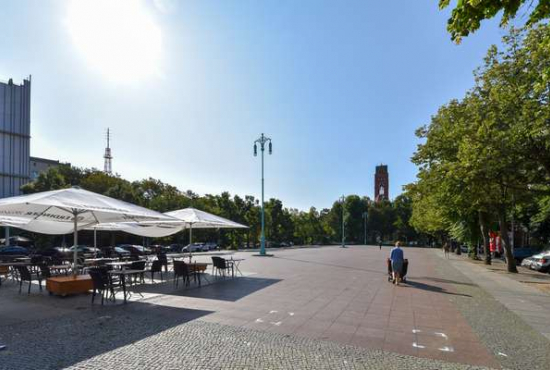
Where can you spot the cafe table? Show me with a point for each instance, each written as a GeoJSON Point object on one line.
{"type": "Point", "coordinates": [122, 274]}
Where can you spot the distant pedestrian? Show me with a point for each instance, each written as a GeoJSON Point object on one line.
{"type": "Point", "coordinates": [397, 257]}
{"type": "Point", "coordinates": [446, 249]}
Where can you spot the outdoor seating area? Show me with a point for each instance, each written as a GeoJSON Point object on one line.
{"type": "Point", "coordinates": [79, 272]}
{"type": "Point", "coordinates": [108, 279]}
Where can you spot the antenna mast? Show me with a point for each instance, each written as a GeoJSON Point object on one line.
{"type": "Point", "coordinates": [107, 168]}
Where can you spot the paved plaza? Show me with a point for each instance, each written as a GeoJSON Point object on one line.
{"type": "Point", "coordinates": [304, 308]}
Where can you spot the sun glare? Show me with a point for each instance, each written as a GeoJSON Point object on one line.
{"type": "Point", "coordinates": [118, 38]}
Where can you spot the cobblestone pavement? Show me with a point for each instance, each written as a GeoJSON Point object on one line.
{"type": "Point", "coordinates": [156, 337]}
{"type": "Point", "coordinates": [311, 308]}
{"type": "Point", "coordinates": [519, 343]}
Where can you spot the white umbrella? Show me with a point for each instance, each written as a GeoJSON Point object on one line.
{"type": "Point", "coordinates": [68, 210]}
{"type": "Point", "coordinates": [12, 221]}
{"type": "Point", "coordinates": [149, 229]}
{"type": "Point", "coordinates": [194, 218]}
{"type": "Point", "coordinates": [8, 222]}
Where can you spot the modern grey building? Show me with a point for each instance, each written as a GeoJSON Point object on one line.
{"type": "Point", "coordinates": [40, 165]}
{"type": "Point", "coordinates": [15, 127]}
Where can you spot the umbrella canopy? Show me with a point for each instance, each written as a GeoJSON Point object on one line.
{"type": "Point", "coordinates": [66, 210]}
{"type": "Point", "coordinates": [149, 229]}
{"type": "Point", "coordinates": [12, 221]}
{"type": "Point", "coordinates": [203, 220]}
{"type": "Point", "coordinates": [194, 218]}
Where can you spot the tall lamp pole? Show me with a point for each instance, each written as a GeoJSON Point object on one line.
{"type": "Point", "coordinates": [365, 218]}
{"type": "Point", "coordinates": [343, 223]}
{"type": "Point", "coordinates": [262, 141]}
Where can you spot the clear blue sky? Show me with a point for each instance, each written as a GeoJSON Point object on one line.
{"type": "Point", "coordinates": [340, 86]}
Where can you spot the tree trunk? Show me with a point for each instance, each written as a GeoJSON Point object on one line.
{"type": "Point", "coordinates": [472, 250]}
{"type": "Point", "coordinates": [510, 261]}
{"type": "Point", "coordinates": [485, 236]}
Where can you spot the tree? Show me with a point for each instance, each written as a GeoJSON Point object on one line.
{"type": "Point", "coordinates": [380, 221]}
{"type": "Point", "coordinates": [50, 180]}
{"type": "Point", "coordinates": [402, 206]}
{"type": "Point", "coordinates": [487, 155]}
{"type": "Point", "coordinates": [467, 15]}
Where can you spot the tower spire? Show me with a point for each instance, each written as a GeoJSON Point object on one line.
{"type": "Point", "coordinates": [107, 167]}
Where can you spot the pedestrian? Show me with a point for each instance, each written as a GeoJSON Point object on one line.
{"type": "Point", "coordinates": [446, 249]}
{"type": "Point", "coordinates": [397, 257]}
{"type": "Point", "coordinates": [379, 243]}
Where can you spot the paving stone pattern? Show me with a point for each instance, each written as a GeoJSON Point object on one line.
{"type": "Point", "coordinates": [142, 337]}
{"type": "Point", "coordinates": [311, 308]}
{"type": "Point", "coordinates": [515, 342]}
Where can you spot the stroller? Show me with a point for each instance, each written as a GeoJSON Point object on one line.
{"type": "Point", "coordinates": [403, 271]}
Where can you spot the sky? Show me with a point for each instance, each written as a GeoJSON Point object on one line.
{"type": "Point", "coordinates": [187, 86]}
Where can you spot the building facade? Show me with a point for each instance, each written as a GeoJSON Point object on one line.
{"type": "Point", "coordinates": [39, 165]}
{"type": "Point", "coordinates": [15, 131]}
{"type": "Point", "coordinates": [381, 183]}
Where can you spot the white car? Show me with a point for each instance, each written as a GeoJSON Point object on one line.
{"type": "Point", "coordinates": [541, 262]}
{"type": "Point", "coordinates": [526, 262]}
{"type": "Point", "coordinates": [195, 247]}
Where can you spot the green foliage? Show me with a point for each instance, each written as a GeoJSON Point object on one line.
{"type": "Point", "coordinates": [489, 152]}
{"type": "Point", "coordinates": [385, 219]}
{"type": "Point", "coordinates": [467, 15]}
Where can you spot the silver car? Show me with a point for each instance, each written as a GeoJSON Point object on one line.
{"type": "Point", "coordinates": [541, 262]}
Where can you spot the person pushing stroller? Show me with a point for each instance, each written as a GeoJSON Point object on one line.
{"type": "Point", "coordinates": [397, 258]}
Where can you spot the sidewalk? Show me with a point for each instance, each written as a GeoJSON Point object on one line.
{"type": "Point", "coordinates": [514, 291]}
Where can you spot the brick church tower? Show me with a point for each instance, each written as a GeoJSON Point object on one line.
{"type": "Point", "coordinates": [381, 183]}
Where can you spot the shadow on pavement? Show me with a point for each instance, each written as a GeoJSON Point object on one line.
{"type": "Point", "coordinates": [230, 289]}
{"type": "Point", "coordinates": [67, 340]}
{"type": "Point", "coordinates": [446, 281]}
{"type": "Point", "coordinates": [432, 288]}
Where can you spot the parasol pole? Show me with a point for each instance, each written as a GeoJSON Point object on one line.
{"type": "Point", "coordinates": [75, 243]}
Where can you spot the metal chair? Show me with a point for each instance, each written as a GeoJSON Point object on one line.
{"type": "Point", "coordinates": [25, 275]}
{"type": "Point", "coordinates": [139, 265]}
{"type": "Point", "coordinates": [181, 270]}
{"type": "Point", "coordinates": [221, 265]}
{"type": "Point", "coordinates": [102, 283]}
{"type": "Point", "coordinates": [156, 266]}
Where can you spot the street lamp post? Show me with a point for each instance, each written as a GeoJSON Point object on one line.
{"type": "Point", "coordinates": [262, 141]}
{"type": "Point", "coordinates": [365, 218]}
{"type": "Point", "coordinates": [343, 223]}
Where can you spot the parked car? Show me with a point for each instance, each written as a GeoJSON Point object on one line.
{"type": "Point", "coordinates": [526, 262]}
{"type": "Point", "coordinates": [521, 253]}
{"type": "Point", "coordinates": [86, 251]}
{"type": "Point", "coordinates": [541, 262]}
{"type": "Point", "coordinates": [53, 252]}
{"type": "Point", "coordinates": [18, 241]}
{"type": "Point", "coordinates": [63, 250]}
{"type": "Point", "coordinates": [136, 250]}
{"type": "Point", "coordinates": [14, 250]}
{"type": "Point", "coordinates": [195, 247]}
{"type": "Point", "coordinates": [157, 248]}
{"type": "Point", "coordinates": [211, 246]}
{"type": "Point", "coordinates": [175, 248]}
{"type": "Point", "coordinates": [115, 252]}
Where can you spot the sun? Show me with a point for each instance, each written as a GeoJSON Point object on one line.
{"type": "Point", "coordinates": [117, 38]}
